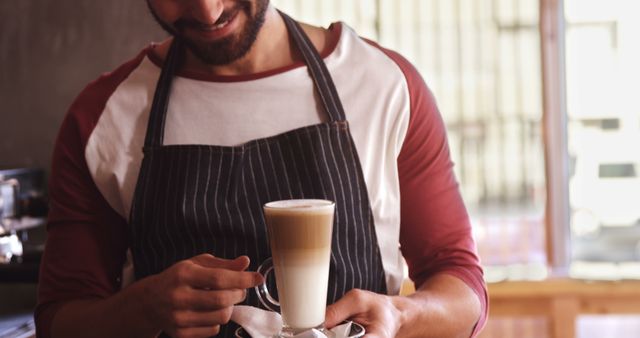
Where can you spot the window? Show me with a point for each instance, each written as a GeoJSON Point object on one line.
{"type": "Point", "coordinates": [482, 60]}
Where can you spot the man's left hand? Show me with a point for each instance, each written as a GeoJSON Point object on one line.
{"type": "Point", "coordinates": [381, 315]}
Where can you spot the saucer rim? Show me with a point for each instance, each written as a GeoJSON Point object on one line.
{"type": "Point", "coordinates": [361, 332]}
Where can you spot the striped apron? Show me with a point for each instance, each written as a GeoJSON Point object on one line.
{"type": "Point", "coordinates": [194, 199]}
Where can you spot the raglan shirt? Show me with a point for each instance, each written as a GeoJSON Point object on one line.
{"type": "Point", "coordinates": [396, 126]}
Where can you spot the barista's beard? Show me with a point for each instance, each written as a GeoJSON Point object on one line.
{"type": "Point", "coordinates": [228, 49]}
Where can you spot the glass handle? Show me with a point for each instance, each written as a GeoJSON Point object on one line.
{"type": "Point", "coordinates": [263, 291]}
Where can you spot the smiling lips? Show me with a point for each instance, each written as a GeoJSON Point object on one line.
{"type": "Point", "coordinates": [225, 21]}
{"type": "Point", "coordinates": [218, 26]}
{"type": "Point", "coordinates": [209, 31]}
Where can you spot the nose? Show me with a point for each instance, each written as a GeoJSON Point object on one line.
{"type": "Point", "coordinates": [207, 11]}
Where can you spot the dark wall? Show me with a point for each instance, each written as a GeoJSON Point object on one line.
{"type": "Point", "coordinates": [49, 51]}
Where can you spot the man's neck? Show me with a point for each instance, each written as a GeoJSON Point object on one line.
{"type": "Point", "coordinates": [272, 49]}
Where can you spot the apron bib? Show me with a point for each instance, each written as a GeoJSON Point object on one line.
{"type": "Point", "coordinates": [194, 199]}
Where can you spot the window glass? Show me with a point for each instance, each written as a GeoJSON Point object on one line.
{"type": "Point", "coordinates": [602, 67]}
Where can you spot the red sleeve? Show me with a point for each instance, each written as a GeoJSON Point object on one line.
{"type": "Point", "coordinates": [435, 232]}
{"type": "Point", "coordinates": [86, 239]}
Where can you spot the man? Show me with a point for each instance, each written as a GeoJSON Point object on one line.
{"type": "Point", "coordinates": [172, 155]}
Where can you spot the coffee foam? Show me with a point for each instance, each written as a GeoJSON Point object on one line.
{"type": "Point", "coordinates": [303, 205]}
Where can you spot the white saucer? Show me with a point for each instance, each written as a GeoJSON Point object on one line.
{"type": "Point", "coordinates": [357, 331]}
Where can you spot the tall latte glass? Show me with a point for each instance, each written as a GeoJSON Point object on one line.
{"type": "Point", "coordinates": [300, 238]}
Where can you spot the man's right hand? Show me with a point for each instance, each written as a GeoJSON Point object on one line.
{"type": "Point", "coordinates": [194, 297]}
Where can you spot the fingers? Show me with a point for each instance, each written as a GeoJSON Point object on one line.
{"type": "Point", "coordinates": [186, 319]}
{"type": "Point", "coordinates": [377, 313]}
{"type": "Point", "coordinates": [208, 272]}
{"type": "Point", "coordinates": [207, 260]}
{"type": "Point", "coordinates": [195, 296]}
{"type": "Point", "coordinates": [379, 330]}
{"type": "Point", "coordinates": [374, 335]}
{"type": "Point", "coordinates": [195, 332]}
{"type": "Point", "coordinates": [210, 300]}
{"type": "Point", "coordinates": [201, 277]}
{"type": "Point", "coordinates": [354, 302]}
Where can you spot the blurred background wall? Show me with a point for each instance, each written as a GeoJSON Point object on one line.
{"type": "Point", "coordinates": [50, 50]}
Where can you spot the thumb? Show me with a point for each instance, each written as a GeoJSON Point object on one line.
{"type": "Point", "coordinates": [348, 306]}
{"type": "Point", "coordinates": [240, 263]}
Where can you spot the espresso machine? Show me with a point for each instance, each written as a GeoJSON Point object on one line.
{"type": "Point", "coordinates": [9, 244]}
{"type": "Point", "coordinates": [23, 209]}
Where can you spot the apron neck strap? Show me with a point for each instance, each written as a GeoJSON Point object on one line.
{"type": "Point", "coordinates": [317, 69]}
{"type": "Point", "coordinates": [158, 113]}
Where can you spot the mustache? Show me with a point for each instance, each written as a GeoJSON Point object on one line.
{"type": "Point", "coordinates": [183, 23]}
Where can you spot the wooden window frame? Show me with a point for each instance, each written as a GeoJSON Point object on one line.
{"type": "Point", "coordinates": [552, 40]}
